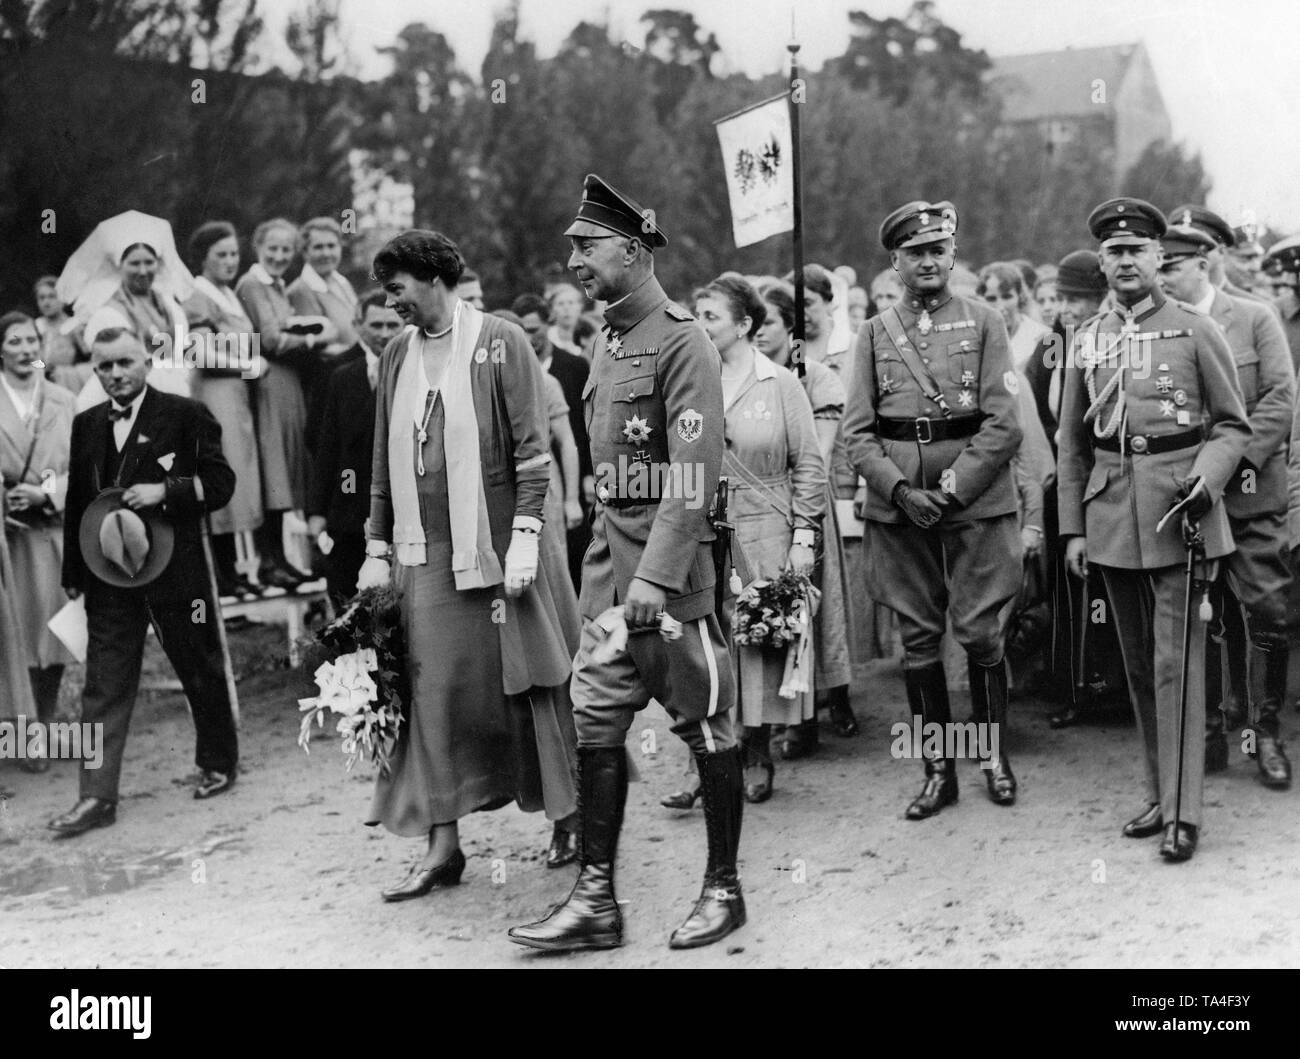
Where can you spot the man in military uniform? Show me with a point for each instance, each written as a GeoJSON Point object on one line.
{"type": "Point", "coordinates": [931, 424]}
{"type": "Point", "coordinates": [1282, 266]}
{"type": "Point", "coordinates": [1222, 239]}
{"type": "Point", "coordinates": [653, 406]}
{"type": "Point", "coordinates": [1251, 593]}
{"type": "Point", "coordinates": [1151, 416]}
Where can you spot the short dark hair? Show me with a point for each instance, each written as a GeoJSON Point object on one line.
{"type": "Point", "coordinates": [1008, 279]}
{"type": "Point", "coordinates": [425, 254]}
{"type": "Point", "coordinates": [817, 280]}
{"type": "Point", "coordinates": [13, 318]}
{"type": "Point", "coordinates": [741, 298]}
{"type": "Point", "coordinates": [780, 296]}
{"type": "Point", "coordinates": [509, 316]}
{"type": "Point", "coordinates": [468, 275]}
{"type": "Point", "coordinates": [371, 298]}
{"type": "Point", "coordinates": [531, 303]}
{"type": "Point", "coordinates": [205, 236]}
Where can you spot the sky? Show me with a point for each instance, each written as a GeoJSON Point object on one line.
{"type": "Point", "coordinates": [1228, 69]}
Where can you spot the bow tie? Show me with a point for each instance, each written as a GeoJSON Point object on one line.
{"type": "Point", "coordinates": [115, 413]}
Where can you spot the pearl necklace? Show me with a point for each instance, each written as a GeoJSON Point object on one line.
{"type": "Point", "coordinates": [443, 333]}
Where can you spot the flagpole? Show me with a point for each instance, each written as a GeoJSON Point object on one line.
{"type": "Point", "coordinates": [797, 349]}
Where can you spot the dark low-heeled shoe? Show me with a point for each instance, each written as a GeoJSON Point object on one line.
{"type": "Point", "coordinates": [799, 740]}
{"type": "Point", "coordinates": [1179, 844]}
{"type": "Point", "coordinates": [213, 783]}
{"type": "Point", "coordinates": [422, 880]}
{"type": "Point", "coordinates": [680, 799]}
{"type": "Point", "coordinates": [756, 793]}
{"type": "Point", "coordinates": [843, 721]}
{"type": "Point", "coordinates": [1144, 825]}
{"type": "Point", "coordinates": [563, 848]}
{"type": "Point", "coordinates": [86, 814]}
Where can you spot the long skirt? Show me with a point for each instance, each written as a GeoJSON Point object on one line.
{"type": "Point", "coordinates": [227, 398]}
{"type": "Point", "coordinates": [467, 745]}
{"type": "Point", "coordinates": [763, 537]}
{"type": "Point", "coordinates": [282, 438]}
{"type": "Point", "coordinates": [36, 555]}
{"type": "Point", "coordinates": [831, 630]}
{"type": "Point", "coordinates": [15, 687]}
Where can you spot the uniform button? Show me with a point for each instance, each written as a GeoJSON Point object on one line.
{"type": "Point", "coordinates": [925, 345]}
{"type": "Point", "coordinates": [926, 360]}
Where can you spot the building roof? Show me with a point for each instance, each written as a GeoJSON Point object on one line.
{"type": "Point", "coordinates": [1057, 84]}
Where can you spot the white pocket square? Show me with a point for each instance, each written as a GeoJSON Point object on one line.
{"type": "Point", "coordinates": [167, 461]}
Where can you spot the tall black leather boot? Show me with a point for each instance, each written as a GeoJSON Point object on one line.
{"type": "Point", "coordinates": [1268, 668]}
{"type": "Point", "coordinates": [988, 692]}
{"type": "Point", "coordinates": [1236, 700]}
{"type": "Point", "coordinates": [1216, 740]}
{"type": "Point", "coordinates": [589, 918]}
{"type": "Point", "coordinates": [721, 906]}
{"type": "Point", "coordinates": [927, 695]}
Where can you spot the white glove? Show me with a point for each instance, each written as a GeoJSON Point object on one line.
{"type": "Point", "coordinates": [374, 571]}
{"type": "Point", "coordinates": [521, 562]}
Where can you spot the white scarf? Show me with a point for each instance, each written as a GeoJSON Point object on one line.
{"type": "Point", "coordinates": [474, 561]}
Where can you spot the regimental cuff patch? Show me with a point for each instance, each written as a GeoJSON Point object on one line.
{"type": "Point", "coordinates": [690, 425]}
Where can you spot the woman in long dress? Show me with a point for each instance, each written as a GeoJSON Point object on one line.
{"type": "Point", "coordinates": [776, 498]}
{"type": "Point", "coordinates": [281, 399]}
{"type": "Point", "coordinates": [223, 384]}
{"type": "Point", "coordinates": [461, 469]}
{"type": "Point", "coordinates": [35, 441]}
{"type": "Point", "coordinates": [831, 630]}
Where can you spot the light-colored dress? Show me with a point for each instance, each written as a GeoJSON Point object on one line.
{"type": "Point", "coordinates": [229, 398]}
{"type": "Point", "coordinates": [831, 632]}
{"type": "Point", "coordinates": [15, 687]}
{"type": "Point", "coordinates": [776, 483]}
{"type": "Point", "coordinates": [281, 403]}
{"type": "Point", "coordinates": [37, 551]}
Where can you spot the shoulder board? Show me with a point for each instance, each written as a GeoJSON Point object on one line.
{"type": "Point", "coordinates": [677, 312]}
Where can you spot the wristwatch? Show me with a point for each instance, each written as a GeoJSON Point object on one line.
{"type": "Point", "coordinates": [379, 550]}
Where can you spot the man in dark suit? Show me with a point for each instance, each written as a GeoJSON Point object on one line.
{"type": "Point", "coordinates": [339, 501]}
{"type": "Point", "coordinates": [571, 371]}
{"type": "Point", "coordinates": [165, 451]}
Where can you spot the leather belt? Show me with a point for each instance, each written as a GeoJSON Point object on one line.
{"type": "Point", "coordinates": [1149, 443]}
{"type": "Point", "coordinates": [925, 430]}
{"type": "Point", "coordinates": [618, 503]}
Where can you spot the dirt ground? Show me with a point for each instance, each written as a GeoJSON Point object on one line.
{"type": "Point", "coordinates": [281, 872]}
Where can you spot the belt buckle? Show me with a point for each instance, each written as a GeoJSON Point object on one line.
{"type": "Point", "coordinates": [1138, 443]}
{"type": "Point", "coordinates": [926, 436]}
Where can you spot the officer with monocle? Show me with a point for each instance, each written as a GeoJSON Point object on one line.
{"type": "Point", "coordinates": [1250, 597]}
{"type": "Point", "coordinates": [1151, 417]}
{"type": "Point", "coordinates": [653, 407]}
{"type": "Point", "coordinates": [932, 423]}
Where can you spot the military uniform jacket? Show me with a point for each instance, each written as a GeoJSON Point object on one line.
{"type": "Point", "coordinates": [653, 408]}
{"type": "Point", "coordinates": [1180, 376]}
{"type": "Point", "coordinates": [1267, 382]}
{"type": "Point", "coordinates": [966, 352]}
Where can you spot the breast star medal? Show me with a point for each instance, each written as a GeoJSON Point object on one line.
{"type": "Point", "coordinates": [966, 399]}
{"type": "Point", "coordinates": [925, 325]}
{"type": "Point", "coordinates": [636, 430]}
{"type": "Point", "coordinates": [615, 345]}
{"type": "Point", "coordinates": [887, 385]}
{"type": "Point", "coordinates": [1166, 408]}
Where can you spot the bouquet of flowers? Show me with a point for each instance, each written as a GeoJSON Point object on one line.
{"type": "Point", "coordinates": [364, 678]}
{"type": "Point", "coordinates": [776, 614]}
